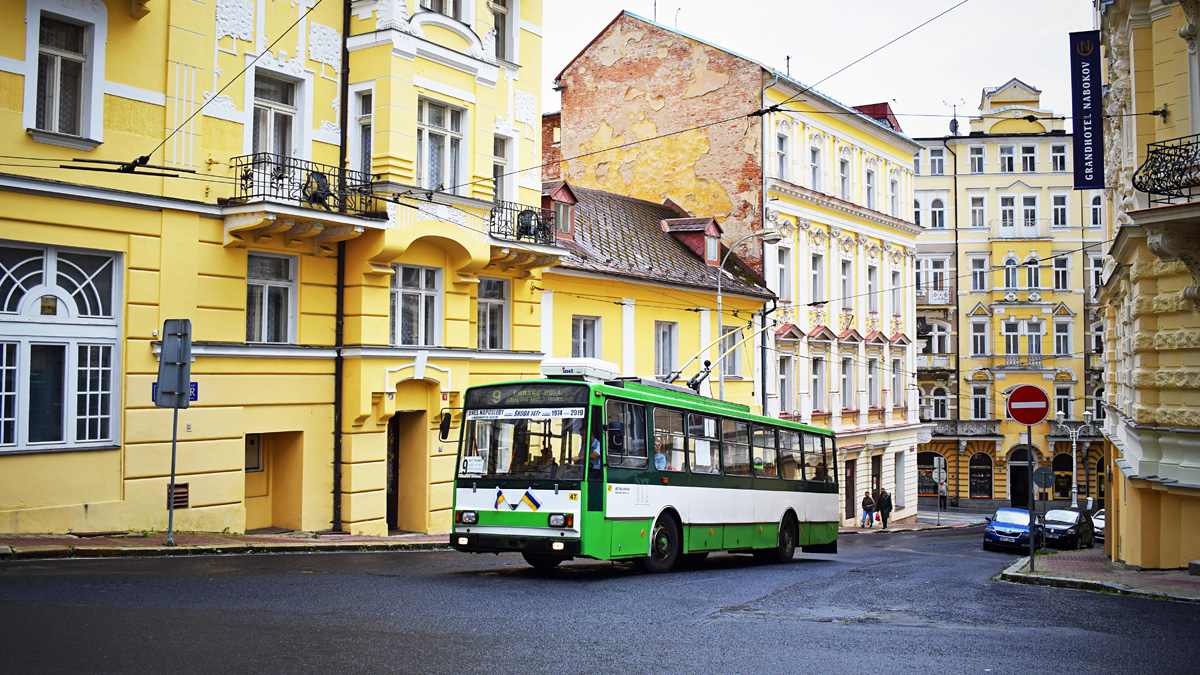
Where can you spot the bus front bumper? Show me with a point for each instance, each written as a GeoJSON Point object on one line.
{"type": "Point", "coordinates": [497, 543]}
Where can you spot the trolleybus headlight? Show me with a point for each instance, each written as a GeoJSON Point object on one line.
{"type": "Point", "coordinates": [468, 517]}
{"type": "Point", "coordinates": [562, 519]}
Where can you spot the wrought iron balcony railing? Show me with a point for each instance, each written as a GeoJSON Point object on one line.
{"type": "Point", "coordinates": [263, 176]}
{"type": "Point", "coordinates": [519, 222]}
{"type": "Point", "coordinates": [935, 296]}
{"type": "Point", "coordinates": [967, 428]}
{"type": "Point", "coordinates": [1171, 171]}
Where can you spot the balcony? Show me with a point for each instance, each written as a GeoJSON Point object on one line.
{"type": "Point", "coordinates": [935, 296]}
{"type": "Point", "coordinates": [934, 360]}
{"type": "Point", "coordinates": [1016, 361]}
{"type": "Point", "coordinates": [1171, 171]}
{"type": "Point", "coordinates": [264, 177]}
{"type": "Point", "coordinates": [966, 428]}
{"type": "Point", "coordinates": [1019, 228]}
{"type": "Point", "coordinates": [519, 222]}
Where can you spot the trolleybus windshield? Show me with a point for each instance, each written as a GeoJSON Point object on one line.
{"type": "Point", "coordinates": [533, 443]}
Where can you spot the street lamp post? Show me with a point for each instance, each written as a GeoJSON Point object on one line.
{"type": "Point", "coordinates": [769, 236]}
{"type": "Point", "coordinates": [1074, 432]}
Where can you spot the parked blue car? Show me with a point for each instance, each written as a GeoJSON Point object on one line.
{"type": "Point", "coordinates": [1009, 528]}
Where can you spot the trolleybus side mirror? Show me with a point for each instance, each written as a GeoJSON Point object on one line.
{"type": "Point", "coordinates": [444, 427]}
{"type": "Point", "coordinates": [616, 438]}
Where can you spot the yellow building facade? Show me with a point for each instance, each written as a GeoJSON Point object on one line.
{"type": "Point", "coordinates": [341, 208]}
{"type": "Point", "coordinates": [1006, 280]}
{"type": "Point", "coordinates": [1151, 282]}
{"type": "Point", "coordinates": [834, 181]}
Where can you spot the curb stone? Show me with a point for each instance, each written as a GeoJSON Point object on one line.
{"type": "Point", "coordinates": [231, 548]}
{"type": "Point", "coordinates": [1014, 575]}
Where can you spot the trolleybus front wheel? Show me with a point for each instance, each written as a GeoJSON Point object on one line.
{"type": "Point", "coordinates": [542, 561]}
{"type": "Point", "coordinates": [664, 546]}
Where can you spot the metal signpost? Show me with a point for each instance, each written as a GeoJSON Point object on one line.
{"type": "Point", "coordinates": [1029, 405]}
{"type": "Point", "coordinates": [939, 477]}
{"type": "Point", "coordinates": [173, 390]}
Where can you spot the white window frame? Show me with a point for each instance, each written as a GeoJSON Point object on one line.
{"type": "Point", "coordinates": [872, 383]}
{"type": "Point", "coordinates": [781, 155]}
{"type": "Point", "coordinates": [1029, 158]}
{"type": "Point", "coordinates": [1012, 274]}
{"type": "Point", "coordinates": [1008, 214]}
{"type": "Point", "coordinates": [870, 189]}
{"type": "Point", "coordinates": [1012, 337]}
{"type": "Point", "coordinates": [844, 175]}
{"type": "Point", "coordinates": [847, 284]}
{"type": "Point", "coordinates": [1029, 212]}
{"type": "Point", "coordinates": [783, 268]}
{"type": "Point", "coordinates": [816, 156]}
{"type": "Point", "coordinates": [819, 294]}
{"type": "Point", "coordinates": [897, 293]}
{"type": "Point", "coordinates": [1033, 336]}
{"type": "Point", "coordinates": [938, 341]}
{"type": "Point", "coordinates": [1058, 157]}
{"type": "Point", "coordinates": [580, 348]}
{"type": "Point", "coordinates": [265, 128]}
{"type": "Point", "coordinates": [979, 338]}
{"type": "Point", "coordinates": [450, 8]}
{"type": "Point", "coordinates": [58, 58]}
{"type": "Point", "coordinates": [1062, 338]}
{"type": "Point", "coordinates": [1062, 400]}
{"type": "Point", "coordinates": [666, 347]}
{"type": "Point", "coordinates": [937, 214]}
{"type": "Point", "coordinates": [1096, 266]}
{"type": "Point", "coordinates": [1033, 273]}
{"type": "Point", "coordinates": [940, 403]}
{"type": "Point", "coordinates": [847, 374]}
{"type": "Point", "coordinates": [483, 315]}
{"type": "Point", "coordinates": [978, 211]}
{"type": "Point", "coordinates": [1062, 273]}
{"type": "Point", "coordinates": [787, 392]}
{"type": "Point", "coordinates": [1059, 210]}
{"type": "Point", "coordinates": [506, 19]}
{"type": "Point", "coordinates": [917, 164]}
{"type": "Point", "coordinates": [819, 385]}
{"type": "Point", "coordinates": [898, 382]}
{"type": "Point", "coordinates": [362, 141]}
{"type": "Point", "coordinates": [937, 161]}
{"type": "Point", "coordinates": [94, 17]}
{"type": "Point", "coordinates": [427, 336]}
{"type": "Point", "coordinates": [977, 158]}
{"type": "Point", "coordinates": [894, 196]}
{"type": "Point", "coordinates": [1097, 210]}
{"type": "Point", "coordinates": [42, 313]}
{"type": "Point", "coordinates": [1007, 158]}
{"type": "Point", "coordinates": [732, 364]}
{"type": "Point", "coordinates": [292, 286]}
{"type": "Point", "coordinates": [979, 273]}
{"type": "Point", "coordinates": [980, 402]}
{"type": "Point", "coordinates": [917, 212]}
{"type": "Point", "coordinates": [872, 288]}
{"type": "Point", "coordinates": [1097, 337]}
{"type": "Point", "coordinates": [504, 189]}
{"type": "Point", "coordinates": [453, 168]}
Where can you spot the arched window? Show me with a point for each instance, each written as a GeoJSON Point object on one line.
{"type": "Point", "coordinates": [1010, 273]}
{"type": "Point", "coordinates": [937, 214]}
{"type": "Point", "coordinates": [1097, 211]}
{"type": "Point", "coordinates": [980, 478]}
{"type": "Point", "coordinates": [917, 213]}
{"type": "Point", "coordinates": [1061, 465]}
{"type": "Point", "coordinates": [941, 404]}
{"type": "Point", "coordinates": [926, 486]}
{"type": "Point", "coordinates": [1033, 272]}
{"type": "Point", "coordinates": [1098, 404]}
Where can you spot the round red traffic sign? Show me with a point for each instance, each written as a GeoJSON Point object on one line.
{"type": "Point", "coordinates": [1028, 404]}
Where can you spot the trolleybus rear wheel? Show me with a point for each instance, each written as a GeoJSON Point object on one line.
{"type": "Point", "coordinates": [785, 546]}
{"type": "Point", "coordinates": [542, 561]}
{"type": "Point", "coordinates": [664, 546]}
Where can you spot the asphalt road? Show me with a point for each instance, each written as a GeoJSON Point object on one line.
{"type": "Point", "coordinates": [901, 602]}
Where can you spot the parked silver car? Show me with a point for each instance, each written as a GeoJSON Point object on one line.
{"type": "Point", "coordinates": [1098, 521]}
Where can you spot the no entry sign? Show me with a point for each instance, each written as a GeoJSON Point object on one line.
{"type": "Point", "coordinates": [1028, 404]}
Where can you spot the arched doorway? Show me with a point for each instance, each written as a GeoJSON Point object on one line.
{"type": "Point", "coordinates": [926, 486]}
{"type": "Point", "coordinates": [1018, 477]}
{"type": "Point", "coordinates": [980, 478]}
{"type": "Point", "coordinates": [1061, 465]}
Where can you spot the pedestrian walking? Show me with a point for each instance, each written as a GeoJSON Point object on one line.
{"type": "Point", "coordinates": [942, 494]}
{"type": "Point", "coordinates": [884, 505]}
{"type": "Point", "coordinates": [868, 510]}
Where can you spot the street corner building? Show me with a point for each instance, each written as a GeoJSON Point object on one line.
{"type": "Point", "coordinates": [813, 195]}
{"type": "Point", "coordinates": [336, 194]}
{"type": "Point", "coordinates": [1007, 272]}
{"type": "Point", "coordinates": [1151, 282]}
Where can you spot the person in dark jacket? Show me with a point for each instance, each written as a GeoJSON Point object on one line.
{"type": "Point", "coordinates": [883, 504]}
{"type": "Point", "coordinates": [868, 510]}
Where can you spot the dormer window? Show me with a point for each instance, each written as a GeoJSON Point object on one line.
{"type": "Point", "coordinates": [564, 217]}
{"type": "Point", "coordinates": [712, 249]}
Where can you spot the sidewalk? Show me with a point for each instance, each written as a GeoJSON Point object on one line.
{"type": "Point", "coordinates": [1089, 570]}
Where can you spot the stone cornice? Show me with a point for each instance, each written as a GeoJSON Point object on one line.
{"type": "Point", "coordinates": [815, 198]}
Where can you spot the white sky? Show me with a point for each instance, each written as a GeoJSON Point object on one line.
{"type": "Point", "coordinates": [983, 43]}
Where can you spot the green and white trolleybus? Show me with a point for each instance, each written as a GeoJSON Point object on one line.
{"type": "Point", "coordinates": [585, 464]}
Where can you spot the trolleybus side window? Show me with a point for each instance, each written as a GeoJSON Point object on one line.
{"type": "Point", "coordinates": [735, 436]}
{"type": "Point", "coordinates": [626, 434]}
{"type": "Point", "coordinates": [814, 458]}
{"type": "Point", "coordinates": [668, 440]}
{"type": "Point", "coordinates": [791, 459]}
{"type": "Point", "coordinates": [763, 454]}
{"type": "Point", "coordinates": [706, 444]}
